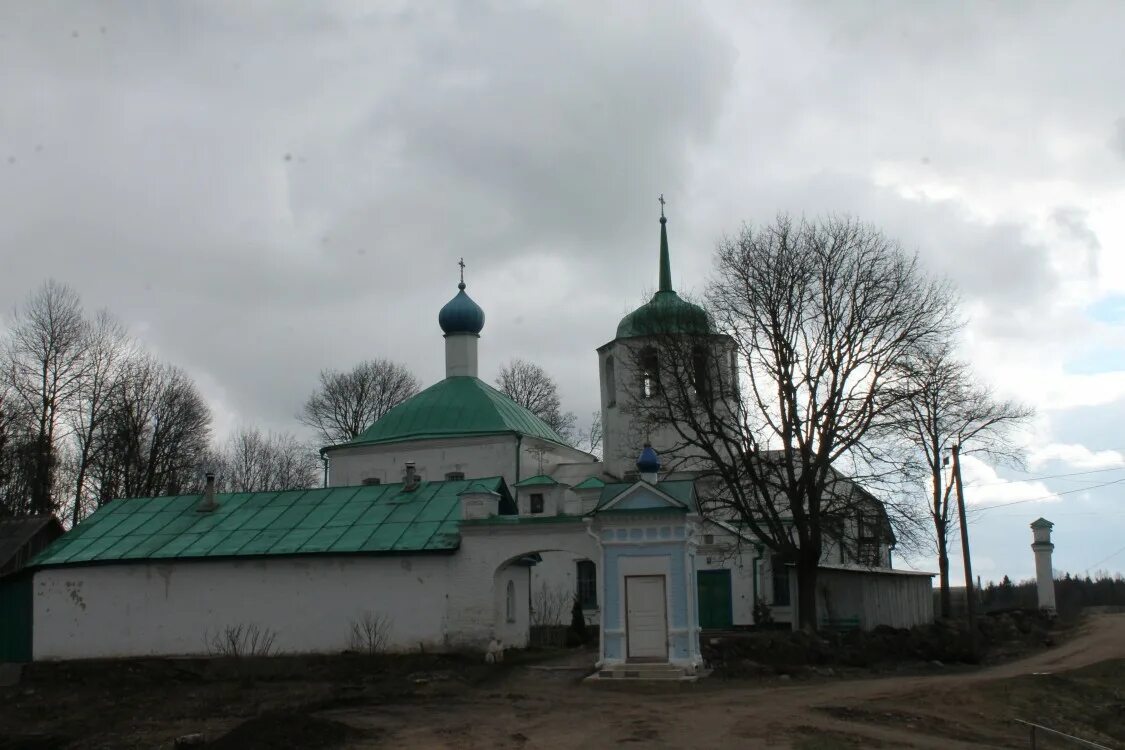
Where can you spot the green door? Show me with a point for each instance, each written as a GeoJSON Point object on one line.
{"type": "Point", "coordinates": [15, 619]}
{"type": "Point", "coordinates": [714, 599]}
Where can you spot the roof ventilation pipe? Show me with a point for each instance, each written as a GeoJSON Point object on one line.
{"type": "Point", "coordinates": [208, 504]}
{"type": "Point", "coordinates": [410, 480]}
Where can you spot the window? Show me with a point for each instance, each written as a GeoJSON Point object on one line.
{"type": "Point", "coordinates": [454, 476]}
{"type": "Point", "coordinates": [867, 547]}
{"type": "Point", "coordinates": [610, 382]}
{"type": "Point", "coordinates": [701, 377]}
{"type": "Point", "coordinates": [372, 480]}
{"type": "Point", "coordinates": [587, 575]}
{"type": "Point", "coordinates": [537, 503]}
{"type": "Point", "coordinates": [650, 364]}
{"type": "Point", "coordinates": [510, 599]}
{"type": "Point", "coordinates": [780, 574]}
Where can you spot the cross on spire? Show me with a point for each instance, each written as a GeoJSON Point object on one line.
{"type": "Point", "coordinates": [461, 263]}
{"type": "Point", "coordinates": [665, 265]}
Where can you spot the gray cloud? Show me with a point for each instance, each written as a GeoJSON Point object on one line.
{"type": "Point", "coordinates": [263, 193]}
{"type": "Point", "coordinates": [1117, 141]}
{"type": "Point", "coordinates": [1074, 221]}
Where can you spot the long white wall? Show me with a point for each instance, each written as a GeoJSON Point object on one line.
{"type": "Point", "coordinates": [145, 609]}
{"type": "Point", "coordinates": [475, 457]}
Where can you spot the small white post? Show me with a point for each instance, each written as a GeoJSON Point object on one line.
{"type": "Point", "coordinates": [1044, 573]}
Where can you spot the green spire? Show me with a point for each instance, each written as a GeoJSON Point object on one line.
{"type": "Point", "coordinates": [665, 264]}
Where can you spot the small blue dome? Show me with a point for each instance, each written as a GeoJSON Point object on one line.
{"type": "Point", "coordinates": [461, 314]}
{"type": "Point", "coordinates": [649, 462]}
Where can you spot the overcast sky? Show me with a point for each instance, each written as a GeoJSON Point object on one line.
{"type": "Point", "coordinates": [260, 193]}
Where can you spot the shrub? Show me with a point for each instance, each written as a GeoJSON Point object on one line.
{"type": "Point", "coordinates": [577, 634]}
{"type": "Point", "coordinates": [240, 640]}
{"type": "Point", "coordinates": [370, 633]}
{"type": "Point", "coordinates": [762, 613]}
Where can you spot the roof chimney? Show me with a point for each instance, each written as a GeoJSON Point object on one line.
{"type": "Point", "coordinates": [410, 480]}
{"type": "Point", "coordinates": [208, 504]}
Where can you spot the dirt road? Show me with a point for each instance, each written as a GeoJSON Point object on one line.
{"type": "Point", "coordinates": [548, 710]}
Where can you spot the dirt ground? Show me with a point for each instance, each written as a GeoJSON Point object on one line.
{"type": "Point", "coordinates": [440, 702]}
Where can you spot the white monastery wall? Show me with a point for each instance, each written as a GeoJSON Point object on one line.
{"type": "Point", "coordinates": [723, 553]}
{"type": "Point", "coordinates": [485, 550]}
{"type": "Point", "coordinates": [559, 574]}
{"type": "Point", "coordinates": [512, 619]}
{"type": "Point", "coordinates": [142, 609]}
{"type": "Point", "coordinates": [623, 438]}
{"type": "Point", "coordinates": [475, 457]}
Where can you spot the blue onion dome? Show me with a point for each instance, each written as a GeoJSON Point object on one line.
{"type": "Point", "coordinates": [461, 314]}
{"type": "Point", "coordinates": [649, 462]}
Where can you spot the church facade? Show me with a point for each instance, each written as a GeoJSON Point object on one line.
{"type": "Point", "coordinates": [457, 518]}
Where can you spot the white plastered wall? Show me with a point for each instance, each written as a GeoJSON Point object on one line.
{"type": "Point", "coordinates": [484, 550]}
{"type": "Point", "coordinates": [476, 457]}
{"type": "Point", "coordinates": [623, 437]}
{"type": "Point", "coordinates": [558, 573]}
{"type": "Point", "coordinates": [723, 553]}
{"type": "Point", "coordinates": [172, 608]}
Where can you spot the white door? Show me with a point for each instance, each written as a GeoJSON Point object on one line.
{"type": "Point", "coordinates": [646, 618]}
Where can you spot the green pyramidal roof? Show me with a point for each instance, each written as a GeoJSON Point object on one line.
{"type": "Point", "coordinates": [372, 519]}
{"type": "Point", "coordinates": [666, 312]}
{"type": "Point", "coordinates": [461, 406]}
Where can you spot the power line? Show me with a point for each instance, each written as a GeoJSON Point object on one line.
{"type": "Point", "coordinates": [1105, 559]}
{"type": "Point", "coordinates": [1045, 476]}
{"type": "Point", "coordinates": [1048, 497]}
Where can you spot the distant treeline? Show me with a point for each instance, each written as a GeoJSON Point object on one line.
{"type": "Point", "coordinates": [1072, 593]}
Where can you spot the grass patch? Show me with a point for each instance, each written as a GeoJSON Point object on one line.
{"type": "Point", "coordinates": [1087, 703]}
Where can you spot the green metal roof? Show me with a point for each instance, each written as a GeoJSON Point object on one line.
{"type": "Point", "coordinates": [590, 483]}
{"type": "Point", "coordinates": [459, 406]}
{"type": "Point", "coordinates": [535, 481]}
{"type": "Point", "coordinates": [337, 520]}
{"type": "Point", "coordinates": [665, 313]}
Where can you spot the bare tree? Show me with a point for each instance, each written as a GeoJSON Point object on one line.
{"type": "Point", "coordinates": [347, 403]}
{"type": "Point", "coordinates": [14, 443]}
{"type": "Point", "coordinates": [44, 370]}
{"type": "Point", "coordinates": [156, 434]}
{"type": "Point", "coordinates": [591, 440]}
{"type": "Point", "coordinates": [793, 392]}
{"type": "Point", "coordinates": [945, 406]}
{"type": "Point", "coordinates": [531, 387]}
{"type": "Point", "coordinates": [253, 461]}
{"type": "Point", "coordinates": [105, 351]}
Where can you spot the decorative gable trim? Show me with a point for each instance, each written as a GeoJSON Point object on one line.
{"type": "Point", "coordinates": [640, 486]}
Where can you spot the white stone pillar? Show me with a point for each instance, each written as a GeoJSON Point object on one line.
{"type": "Point", "coordinates": [1044, 572]}
{"type": "Point", "coordinates": [461, 354]}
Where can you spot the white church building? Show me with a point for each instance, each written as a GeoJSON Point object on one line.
{"type": "Point", "coordinates": [456, 518]}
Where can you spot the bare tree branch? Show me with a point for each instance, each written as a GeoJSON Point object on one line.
{"type": "Point", "coordinates": [347, 403]}
{"type": "Point", "coordinates": [531, 387]}
{"type": "Point", "coordinates": [942, 405]}
{"type": "Point", "coordinates": [795, 388]}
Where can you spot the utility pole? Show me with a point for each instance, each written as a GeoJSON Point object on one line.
{"type": "Point", "coordinates": [970, 599]}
